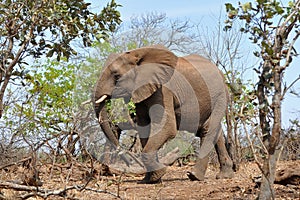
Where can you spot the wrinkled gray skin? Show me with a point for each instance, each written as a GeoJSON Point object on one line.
{"type": "Point", "coordinates": [170, 93]}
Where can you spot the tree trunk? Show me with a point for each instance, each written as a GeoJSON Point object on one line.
{"type": "Point", "coordinates": [271, 141]}
{"type": "Point", "coordinates": [268, 176]}
{"type": "Point", "coordinates": [3, 85]}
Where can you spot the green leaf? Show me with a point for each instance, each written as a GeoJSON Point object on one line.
{"type": "Point", "coordinates": [50, 53]}
{"type": "Point", "coordinates": [291, 4]}
{"type": "Point", "coordinates": [232, 14]}
{"type": "Point", "coordinates": [279, 10]}
{"type": "Point", "coordinates": [229, 7]}
{"type": "Point", "coordinates": [246, 7]}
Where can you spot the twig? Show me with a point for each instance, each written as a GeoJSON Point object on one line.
{"type": "Point", "coordinates": [119, 183]}
{"type": "Point", "coordinates": [86, 102]}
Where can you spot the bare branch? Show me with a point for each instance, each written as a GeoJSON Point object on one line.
{"type": "Point", "coordinates": [289, 87]}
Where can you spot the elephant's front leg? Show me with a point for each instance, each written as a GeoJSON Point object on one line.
{"type": "Point", "coordinates": [162, 128]}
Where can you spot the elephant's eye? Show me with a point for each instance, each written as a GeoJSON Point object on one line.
{"type": "Point", "coordinates": [117, 77]}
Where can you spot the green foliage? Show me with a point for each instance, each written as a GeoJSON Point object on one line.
{"type": "Point", "coordinates": [131, 107]}
{"type": "Point", "coordinates": [48, 105]}
{"type": "Point", "coordinates": [27, 21]}
{"type": "Point", "coordinates": [268, 24]}
{"type": "Point", "coordinates": [244, 98]}
{"type": "Point", "coordinates": [260, 20]}
{"type": "Point", "coordinates": [36, 28]}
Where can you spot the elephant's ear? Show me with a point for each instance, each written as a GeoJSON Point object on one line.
{"type": "Point", "coordinates": [154, 67]}
{"type": "Point", "coordinates": [148, 78]}
{"type": "Point", "coordinates": [152, 54]}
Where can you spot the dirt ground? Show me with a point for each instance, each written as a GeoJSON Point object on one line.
{"type": "Point", "coordinates": [175, 185]}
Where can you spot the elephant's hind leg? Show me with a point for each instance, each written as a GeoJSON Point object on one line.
{"type": "Point", "coordinates": [225, 161]}
{"type": "Point", "coordinates": [198, 172]}
{"type": "Point", "coordinates": [212, 137]}
{"type": "Point", "coordinates": [226, 164]}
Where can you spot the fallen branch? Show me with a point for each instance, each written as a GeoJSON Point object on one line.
{"type": "Point", "coordinates": [45, 193]}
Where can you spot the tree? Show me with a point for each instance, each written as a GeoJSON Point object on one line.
{"type": "Point", "coordinates": [155, 28]}
{"type": "Point", "coordinates": [38, 28]}
{"type": "Point", "coordinates": [42, 109]}
{"type": "Point", "coordinates": [274, 28]}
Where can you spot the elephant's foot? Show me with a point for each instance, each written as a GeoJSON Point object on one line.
{"type": "Point", "coordinates": [153, 177]}
{"type": "Point", "coordinates": [198, 171]}
{"type": "Point", "coordinates": [155, 170]}
{"type": "Point", "coordinates": [225, 173]}
{"type": "Point", "coordinates": [194, 176]}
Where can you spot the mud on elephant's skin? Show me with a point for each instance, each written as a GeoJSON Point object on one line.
{"type": "Point", "coordinates": [170, 93]}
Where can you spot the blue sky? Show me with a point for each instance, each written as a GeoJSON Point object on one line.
{"type": "Point", "coordinates": [205, 12]}
{"type": "Point", "coordinates": [192, 9]}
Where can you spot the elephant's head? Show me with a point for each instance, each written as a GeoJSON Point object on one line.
{"type": "Point", "coordinates": [135, 74]}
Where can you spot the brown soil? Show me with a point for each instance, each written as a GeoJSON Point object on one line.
{"type": "Point", "coordinates": [175, 185]}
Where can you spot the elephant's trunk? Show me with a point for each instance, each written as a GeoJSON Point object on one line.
{"type": "Point", "coordinates": [105, 123]}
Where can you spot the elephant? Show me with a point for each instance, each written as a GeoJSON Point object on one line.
{"type": "Point", "coordinates": [170, 93]}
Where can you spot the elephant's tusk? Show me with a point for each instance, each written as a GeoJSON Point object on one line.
{"type": "Point", "coordinates": [101, 99]}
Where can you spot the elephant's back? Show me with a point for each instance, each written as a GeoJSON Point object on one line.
{"type": "Point", "coordinates": [206, 76]}
{"type": "Point", "coordinates": [204, 67]}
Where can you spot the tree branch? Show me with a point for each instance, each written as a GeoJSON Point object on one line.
{"type": "Point", "coordinates": [288, 55]}
{"type": "Point", "coordinates": [289, 87]}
